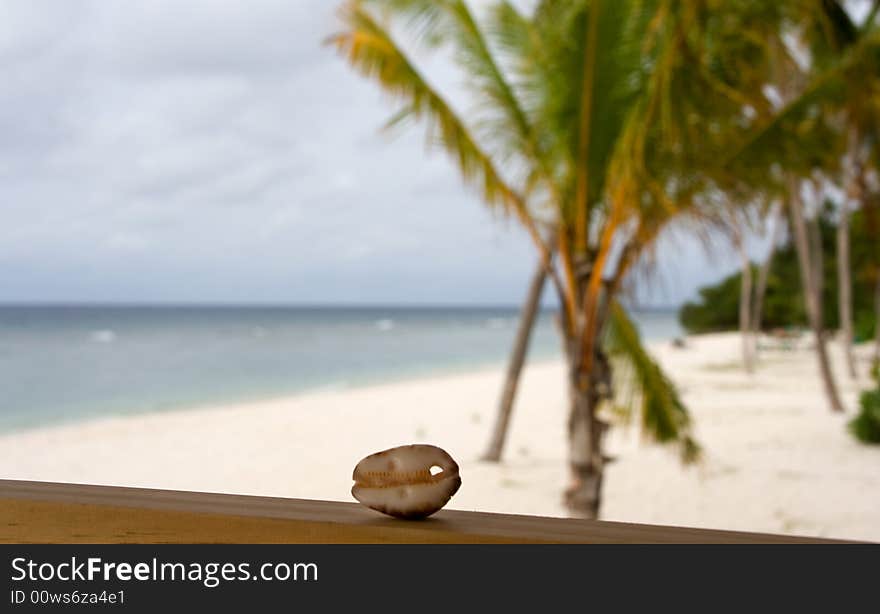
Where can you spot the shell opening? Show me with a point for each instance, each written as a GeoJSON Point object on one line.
{"type": "Point", "coordinates": [436, 470]}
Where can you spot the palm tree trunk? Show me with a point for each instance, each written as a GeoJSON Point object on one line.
{"type": "Point", "coordinates": [764, 271]}
{"type": "Point", "coordinates": [812, 291]}
{"type": "Point", "coordinates": [817, 256]}
{"type": "Point", "coordinates": [589, 383]}
{"type": "Point", "coordinates": [844, 271]}
{"type": "Point", "coordinates": [514, 368]}
{"type": "Point", "coordinates": [844, 288]}
{"type": "Point", "coordinates": [583, 497]}
{"type": "Point", "coordinates": [745, 301]}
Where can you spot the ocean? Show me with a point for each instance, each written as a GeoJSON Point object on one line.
{"type": "Point", "coordinates": [69, 363]}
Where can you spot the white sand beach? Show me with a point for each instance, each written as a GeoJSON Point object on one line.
{"type": "Point", "coordinates": [775, 458]}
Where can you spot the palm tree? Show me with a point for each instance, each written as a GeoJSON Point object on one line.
{"type": "Point", "coordinates": [776, 227]}
{"type": "Point", "coordinates": [517, 360]}
{"type": "Point", "coordinates": [801, 141]}
{"type": "Point", "coordinates": [746, 299]}
{"type": "Point", "coordinates": [740, 50]}
{"type": "Point", "coordinates": [854, 108]}
{"type": "Point", "coordinates": [808, 248]}
{"type": "Point", "coordinates": [860, 121]}
{"type": "Point", "coordinates": [844, 60]}
{"type": "Point", "coordinates": [572, 133]}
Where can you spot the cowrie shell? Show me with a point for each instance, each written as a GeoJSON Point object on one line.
{"type": "Point", "coordinates": [411, 481]}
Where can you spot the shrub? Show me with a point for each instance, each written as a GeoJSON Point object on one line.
{"type": "Point", "coordinates": [866, 425]}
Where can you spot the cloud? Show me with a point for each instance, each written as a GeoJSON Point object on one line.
{"type": "Point", "coordinates": [216, 151]}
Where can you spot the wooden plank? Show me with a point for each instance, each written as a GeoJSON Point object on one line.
{"type": "Point", "coordinates": [45, 512]}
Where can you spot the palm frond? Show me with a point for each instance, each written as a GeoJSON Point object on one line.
{"type": "Point", "coordinates": [648, 390]}
{"type": "Point", "coordinates": [580, 68]}
{"type": "Point", "coordinates": [523, 50]}
{"type": "Point", "coordinates": [498, 113]}
{"type": "Point", "coordinates": [785, 135]}
{"type": "Point", "coordinates": [511, 127]}
{"type": "Point", "coordinates": [371, 50]}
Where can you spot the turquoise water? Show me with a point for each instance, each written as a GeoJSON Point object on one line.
{"type": "Point", "coordinates": [68, 363]}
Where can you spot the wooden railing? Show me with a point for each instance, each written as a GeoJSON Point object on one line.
{"type": "Point", "coordinates": [39, 512]}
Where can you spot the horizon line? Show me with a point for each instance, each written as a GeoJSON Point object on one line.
{"type": "Point", "coordinates": [289, 305]}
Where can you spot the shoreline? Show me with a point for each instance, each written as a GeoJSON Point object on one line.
{"type": "Point", "coordinates": [775, 458]}
{"type": "Point", "coordinates": [248, 399]}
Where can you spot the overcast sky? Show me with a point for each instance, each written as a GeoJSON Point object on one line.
{"type": "Point", "coordinates": [170, 151]}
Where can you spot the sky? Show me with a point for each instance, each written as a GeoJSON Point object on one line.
{"type": "Point", "coordinates": [216, 151]}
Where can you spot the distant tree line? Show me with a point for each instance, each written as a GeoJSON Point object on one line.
{"type": "Point", "coordinates": [717, 308]}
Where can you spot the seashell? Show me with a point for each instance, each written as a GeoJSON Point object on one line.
{"type": "Point", "coordinates": [407, 481]}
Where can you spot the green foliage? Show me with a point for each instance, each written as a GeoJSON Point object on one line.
{"type": "Point", "coordinates": [716, 309]}
{"type": "Point", "coordinates": [718, 305]}
{"type": "Point", "coordinates": [649, 392]}
{"type": "Point", "coordinates": [866, 425]}
{"type": "Point", "coordinates": [804, 134]}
